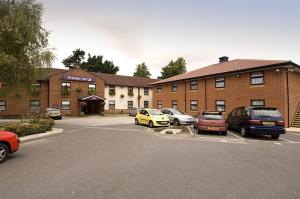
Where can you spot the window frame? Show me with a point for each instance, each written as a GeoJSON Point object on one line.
{"type": "Point", "coordinates": [252, 77]}
{"type": "Point", "coordinates": [174, 87]}
{"type": "Point", "coordinates": [262, 100]}
{"type": "Point", "coordinates": [159, 88]}
{"type": "Point", "coordinates": [220, 79]}
{"type": "Point", "coordinates": [61, 103]}
{"type": "Point", "coordinates": [191, 85]}
{"type": "Point", "coordinates": [218, 105]}
{"type": "Point", "coordinates": [33, 109]}
{"type": "Point", "coordinates": [5, 105]}
{"type": "Point", "coordinates": [114, 104]}
{"type": "Point", "coordinates": [89, 88]}
{"type": "Point", "coordinates": [63, 87]}
{"type": "Point", "coordinates": [147, 103]}
{"type": "Point", "coordinates": [146, 91]}
{"type": "Point", "coordinates": [159, 103]}
{"type": "Point", "coordinates": [191, 109]}
{"type": "Point", "coordinates": [176, 104]}
{"type": "Point", "coordinates": [130, 107]}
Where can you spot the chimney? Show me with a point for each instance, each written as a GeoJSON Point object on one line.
{"type": "Point", "coordinates": [223, 59]}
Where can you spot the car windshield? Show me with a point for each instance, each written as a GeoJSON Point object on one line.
{"type": "Point", "coordinates": [176, 112]}
{"type": "Point", "coordinates": [213, 116]}
{"type": "Point", "coordinates": [266, 112]}
{"type": "Point", "coordinates": [155, 112]}
{"type": "Point", "coordinates": [52, 109]}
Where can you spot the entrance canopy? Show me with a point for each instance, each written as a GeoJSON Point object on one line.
{"type": "Point", "coordinates": [92, 98]}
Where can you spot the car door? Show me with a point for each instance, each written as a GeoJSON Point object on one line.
{"type": "Point", "coordinates": [170, 115]}
{"type": "Point", "coordinates": [146, 117]}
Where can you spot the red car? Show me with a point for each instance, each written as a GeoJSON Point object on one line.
{"type": "Point", "coordinates": [211, 121]}
{"type": "Point", "coordinates": [9, 143]}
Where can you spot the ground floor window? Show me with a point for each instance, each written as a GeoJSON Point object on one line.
{"type": "Point", "coordinates": [34, 105]}
{"type": "Point", "coordinates": [194, 105]}
{"type": "Point", "coordinates": [220, 105]}
{"type": "Point", "coordinates": [257, 102]}
{"type": "Point", "coordinates": [174, 104]}
{"type": "Point", "coordinates": [112, 104]}
{"type": "Point", "coordinates": [130, 104]}
{"type": "Point", "coordinates": [65, 104]}
{"type": "Point", "coordinates": [146, 104]}
{"type": "Point", "coordinates": [159, 104]}
{"type": "Point", "coordinates": [2, 105]}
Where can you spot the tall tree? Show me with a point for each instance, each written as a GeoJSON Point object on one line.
{"type": "Point", "coordinates": [75, 60]}
{"type": "Point", "coordinates": [142, 71]}
{"type": "Point", "coordinates": [92, 64]}
{"type": "Point", "coordinates": [23, 42]}
{"type": "Point", "coordinates": [174, 68]}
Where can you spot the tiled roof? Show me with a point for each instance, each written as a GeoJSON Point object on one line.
{"type": "Point", "coordinates": [225, 67]}
{"type": "Point", "coordinates": [121, 80]}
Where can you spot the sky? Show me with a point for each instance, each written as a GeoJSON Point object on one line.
{"type": "Point", "coordinates": [129, 32]}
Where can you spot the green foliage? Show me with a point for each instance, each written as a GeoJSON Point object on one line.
{"type": "Point", "coordinates": [23, 42]}
{"type": "Point", "coordinates": [35, 89]}
{"type": "Point", "coordinates": [66, 91]}
{"type": "Point", "coordinates": [75, 60]}
{"type": "Point", "coordinates": [130, 93]}
{"type": "Point", "coordinates": [93, 63]}
{"type": "Point", "coordinates": [174, 68]}
{"type": "Point", "coordinates": [92, 91]}
{"type": "Point", "coordinates": [142, 71]}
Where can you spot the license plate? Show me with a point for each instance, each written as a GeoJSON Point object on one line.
{"type": "Point", "coordinates": [268, 123]}
{"type": "Point", "coordinates": [213, 128]}
{"type": "Point", "coordinates": [164, 122]}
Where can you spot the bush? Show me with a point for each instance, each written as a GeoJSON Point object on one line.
{"type": "Point", "coordinates": [47, 122]}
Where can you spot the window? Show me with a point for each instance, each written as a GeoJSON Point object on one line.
{"type": "Point", "coordinates": [193, 85]}
{"type": "Point", "coordinates": [159, 88]}
{"type": "Point", "coordinates": [257, 78]}
{"type": "Point", "coordinates": [194, 105]}
{"type": "Point", "coordinates": [112, 90]}
{"type": "Point", "coordinates": [174, 87]}
{"type": "Point", "coordinates": [130, 104]}
{"type": "Point", "coordinates": [92, 87]}
{"type": "Point", "coordinates": [2, 105]}
{"type": "Point", "coordinates": [174, 104]}
{"type": "Point", "coordinates": [220, 105]}
{"type": "Point", "coordinates": [257, 102]}
{"type": "Point", "coordinates": [146, 91]}
{"type": "Point", "coordinates": [34, 105]}
{"type": "Point", "coordinates": [146, 104]}
{"type": "Point", "coordinates": [130, 91]}
{"type": "Point", "coordinates": [112, 104]}
{"type": "Point", "coordinates": [65, 105]}
{"type": "Point", "coordinates": [66, 88]}
{"type": "Point", "coordinates": [220, 82]}
{"type": "Point", "coordinates": [159, 104]}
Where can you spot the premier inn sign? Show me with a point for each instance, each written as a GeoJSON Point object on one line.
{"type": "Point", "coordinates": [77, 78]}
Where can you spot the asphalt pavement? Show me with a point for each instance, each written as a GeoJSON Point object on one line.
{"type": "Point", "coordinates": [125, 161]}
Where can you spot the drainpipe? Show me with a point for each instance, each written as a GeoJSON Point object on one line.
{"type": "Point", "coordinates": [205, 94]}
{"type": "Point", "coordinates": [288, 96]}
{"type": "Point", "coordinates": [139, 97]}
{"type": "Point", "coordinates": [184, 96]}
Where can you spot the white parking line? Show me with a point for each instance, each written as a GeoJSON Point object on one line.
{"type": "Point", "coordinates": [236, 136]}
{"type": "Point", "coordinates": [294, 133]}
{"type": "Point", "coordinates": [190, 131]}
{"type": "Point", "coordinates": [77, 130]}
{"type": "Point", "coordinates": [287, 140]}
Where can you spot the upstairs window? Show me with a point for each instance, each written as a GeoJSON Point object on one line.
{"type": "Point", "coordinates": [130, 91]}
{"type": "Point", "coordinates": [146, 91]}
{"type": "Point", "coordinates": [220, 82]}
{"type": "Point", "coordinates": [193, 85]}
{"type": "Point", "coordinates": [159, 89]}
{"type": "Point", "coordinates": [112, 90]}
{"type": "Point", "coordinates": [257, 102]}
{"type": "Point", "coordinates": [220, 105]}
{"type": "Point", "coordinates": [159, 104]}
{"type": "Point", "coordinates": [66, 88]}
{"type": "Point", "coordinates": [34, 105]}
{"type": "Point", "coordinates": [92, 87]}
{"type": "Point", "coordinates": [174, 87]}
{"type": "Point", "coordinates": [2, 105]}
{"type": "Point", "coordinates": [257, 78]}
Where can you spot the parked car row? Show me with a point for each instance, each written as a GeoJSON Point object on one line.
{"type": "Point", "coordinates": [246, 120]}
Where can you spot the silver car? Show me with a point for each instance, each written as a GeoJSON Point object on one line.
{"type": "Point", "coordinates": [54, 113]}
{"type": "Point", "coordinates": [178, 117]}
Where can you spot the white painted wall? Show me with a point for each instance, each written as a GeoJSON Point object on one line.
{"type": "Point", "coordinates": [121, 103]}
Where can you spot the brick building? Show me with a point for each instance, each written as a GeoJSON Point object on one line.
{"type": "Point", "coordinates": [75, 92]}
{"type": "Point", "coordinates": [229, 84]}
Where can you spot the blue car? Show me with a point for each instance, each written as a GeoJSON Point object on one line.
{"type": "Point", "coordinates": [256, 120]}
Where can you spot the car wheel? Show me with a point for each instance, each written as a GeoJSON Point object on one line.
{"type": "Point", "coordinates": [244, 132]}
{"type": "Point", "coordinates": [224, 133]}
{"type": "Point", "coordinates": [136, 121]}
{"type": "Point", "coordinates": [151, 125]}
{"type": "Point", "coordinates": [275, 136]}
{"type": "Point", "coordinates": [176, 122]}
{"type": "Point", "coordinates": [3, 152]}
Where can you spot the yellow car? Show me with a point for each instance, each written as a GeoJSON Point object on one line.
{"type": "Point", "coordinates": [152, 118]}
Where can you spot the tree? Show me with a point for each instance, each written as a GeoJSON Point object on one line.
{"type": "Point", "coordinates": [142, 71]}
{"type": "Point", "coordinates": [92, 64]}
{"type": "Point", "coordinates": [23, 42]}
{"type": "Point", "coordinates": [75, 60]}
{"type": "Point", "coordinates": [174, 68]}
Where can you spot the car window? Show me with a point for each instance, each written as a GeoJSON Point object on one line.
{"type": "Point", "coordinates": [141, 112]}
{"type": "Point", "coordinates": [234, 112]}
{"type": "Point", "coordinates": [266, 112]}
{"type": "Point", "coordinates": [155, 112]}
{"type": "Point", "coordinates": [213, 116]}
{"type": "Point", "coordinates": [177, 112]}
